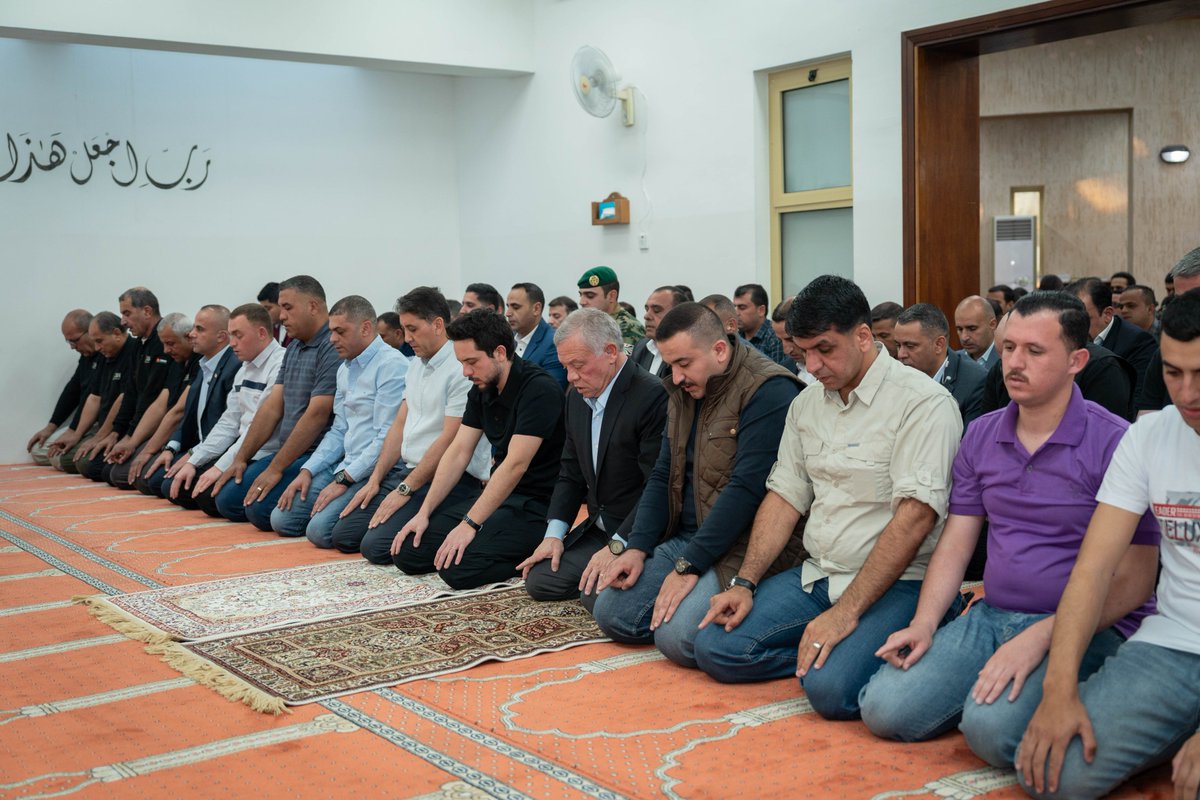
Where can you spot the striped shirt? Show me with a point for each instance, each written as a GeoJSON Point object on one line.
{"type": "Point", "coordinates": [250, 384]}
{"type": "Point", "coordinates": [309, 370]}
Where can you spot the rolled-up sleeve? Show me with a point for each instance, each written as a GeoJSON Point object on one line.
{"type": "Point", "coordinates": [923, 455]}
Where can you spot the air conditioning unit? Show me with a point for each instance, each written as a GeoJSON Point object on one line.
{"type": "Point", "coordinates": [1015, 247]}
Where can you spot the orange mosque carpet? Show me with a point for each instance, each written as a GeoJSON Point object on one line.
{"type": "Point", "coordinates": [87, 712]}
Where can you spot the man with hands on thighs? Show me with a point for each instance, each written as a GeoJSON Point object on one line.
{"type": "Point", "coordinates": [866, 457]}
{"type": "Point", "coordinates": [725, 411]}
{"type": "Point", "coordinates": [1032, 470]}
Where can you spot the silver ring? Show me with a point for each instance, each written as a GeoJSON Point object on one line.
{"type": "Point", "coordinates": [817, 645]}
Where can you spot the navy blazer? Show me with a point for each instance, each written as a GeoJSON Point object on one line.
{"type": "Point", "coordinates": [188, 434]}
{"type": "Point", "coordinates": [541, 351]}
{"type": "Point", "coordinates": [965, 379]}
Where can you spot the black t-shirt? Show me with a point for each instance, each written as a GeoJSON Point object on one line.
{"type": "Point", "coordinates": [77, 389]}
{"type": "Point", "coordinates": [180, 377]}
{"type": "Point", "coordinates": [114, 377]}
{"type": "Point", "coordinates": [530, 405]}
{"type": "Point", "coordinates": [149, 375]}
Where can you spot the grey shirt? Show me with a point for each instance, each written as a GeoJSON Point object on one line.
{"type": "Point", "coordinates": [309, 370]}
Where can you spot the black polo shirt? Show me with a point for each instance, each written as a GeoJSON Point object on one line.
{"type": "Point", "coordinates": [180, 377]}
{"type": "Point", "coordinates": [149, 374]}
{"type": "Point", "coordinates": [77, 389]}
{"type": "Point", "coordinates": [113, 378]}
{"type": "Point", "coordinates": [530, 405]}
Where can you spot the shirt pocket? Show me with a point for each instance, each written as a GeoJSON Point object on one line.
{"type": "Point", "coordinates": [720, 439]}
{"type": "Point", "coordinates": [868, 471]}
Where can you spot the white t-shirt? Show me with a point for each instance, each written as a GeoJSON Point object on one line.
{"type": "Point", "coordinates": [433, 390]}
{"type": "Point", "coordinates": [1157, 466]}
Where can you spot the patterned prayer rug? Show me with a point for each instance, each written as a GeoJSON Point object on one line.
{"type": "Point", "coordinates": [263, 601]}
{"type": "Point", "coordinates": [317, 661]}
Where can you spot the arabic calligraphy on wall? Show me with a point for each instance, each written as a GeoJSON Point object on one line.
{"type": "Point", "coordinates": [170, 170]}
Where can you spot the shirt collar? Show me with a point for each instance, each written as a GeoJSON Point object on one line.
{"type": "Point", "coordinates": [209, 364]}
{"type": "Point", "coordinates": [986, 353]}
{"type": "Point", "coordinates": [1100, 336]}
{"type": "Point", "coordinates": [1070, 428]}
{"type": "Point", "coordinates": [868, 387]}
{"type": "Point", "coordinates": [597, 404]}
{"type": "Point", "coordinates": [321, 334]}
{"type": "Point", "coordinates": [652, 346]}
{"type": "Point", "coordinates": [941, 373]}
{"type": "Point", "coordinates": [444, 353]}
{"type": "Point", "coordinates": [527, 337]}
{"type": "Point", "coordinates": [368, 355]}
{"type": "Point", "coordinates": [512, 386]}
{"type": "Point", "coordinates": [262, 357]}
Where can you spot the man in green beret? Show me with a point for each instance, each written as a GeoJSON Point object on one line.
{"type": "Point", "coordinates": [599, 288]}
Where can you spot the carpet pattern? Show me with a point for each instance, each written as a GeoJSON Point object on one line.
{"type": "Point", "coordinates": [316, 661]}
{"type": "Point", "coordinates": [264, 601]}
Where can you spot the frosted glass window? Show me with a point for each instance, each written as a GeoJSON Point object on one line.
{"type": "Point", "coordinates": [816, 243]}
{"type": "Point", "coordinates": [816, 137]}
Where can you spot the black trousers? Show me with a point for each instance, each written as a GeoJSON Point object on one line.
{"type": "Point", "coordinates": [545, 584]}
{"type": "Point", "coordinates": [506, 539]}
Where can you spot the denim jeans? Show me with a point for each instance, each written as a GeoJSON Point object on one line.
{"type": "Point", "coordinates": [232, 495]}
{"type": "Point", "coordinates": [319, 527]}
{"type": "Point", "coordinates": [764, 645]}
{"type": "Point", "coordinates": [933, 695]}
{"type": "Point", "coordinates": [1143, 705]}
{"type": "Point", "coordinates": [625, 614]}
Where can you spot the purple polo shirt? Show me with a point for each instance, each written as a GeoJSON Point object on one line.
{"type": "Point", "coordinates": [1038, 506]}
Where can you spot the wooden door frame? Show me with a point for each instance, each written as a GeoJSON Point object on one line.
{"type": "Point", "coordinates": [940, 95]}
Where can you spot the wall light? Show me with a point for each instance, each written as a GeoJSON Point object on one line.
{"type": "Point", "coordinates": [1174, 154]}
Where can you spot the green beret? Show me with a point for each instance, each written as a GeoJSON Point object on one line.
{"type": "Point", "coordinates": [597, 276]}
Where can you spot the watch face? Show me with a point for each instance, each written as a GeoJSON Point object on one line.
{"type": "Point", "coordinates": [682, 565]}
{"type": "Point", "coordinates": [404, 489]}
{"type": "Point", "coordinates": [615, 547]}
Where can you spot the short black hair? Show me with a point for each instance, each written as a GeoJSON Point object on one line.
{"type": "Point", "coordinates": [758, 295]}
{"type": "Point", "coordinates": [1097, 290]}
{"type": "Point", "coordinates": [1147, 293]}
{"type": "Point", "coordinates": [686, 291]}
{"type": "Point", "coordinates": [1181, 320]}
{"type": "Point", "coordinates": [140, 297]}
{"type": "Point", "coordinates": [931, 318]}
{"type": "Point", "coordinates": [107, 322]}
{"type": "Point", "coordinates": [486, 328]}
{"type": "Point", "coordinates": [487, 295]}
{"type": "Point", "coordinates": [828, 301]}
{"type": "Point", "coordinates": [1020, 292]}
{"type": "Point", "coordinates": [677, 294]}
{"type": "Point", "coordinates": [563, 300]}
{"type": "Point", "coordinates": [885, 310]}
{"type": "Point", "coordinates": [1128, 276]}
{"type": "Point", "coordinates": [306, 285]}
{"type": "Point", "coordinates": [354, 307]}
{"type": "Point", "coordinates": [269, 293]}
{"type": "Point", "coordinates": [1072, 316]}
{"type": "Point", "coordinates": [1009, 295]}
{"type": "Point", "coordinates": [780, 314]}
{"type": "Point", "coordinates": [1050, 283]}
{"type": "Point", "coordinates": [389, 318]}
{"type": "Point", "coordinates": [997, 309]}
{"type": "Point", "coordinates": [698, 320]}
{"type": "Point", "coordinates": [533, 292]}
{"type": "Point", "coordinates": [426, 303]}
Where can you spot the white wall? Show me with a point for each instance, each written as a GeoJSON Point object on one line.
{"type": "Point", "coordinates": [531, 160]}
{"type": "Point", "coordinates": [343, 173]}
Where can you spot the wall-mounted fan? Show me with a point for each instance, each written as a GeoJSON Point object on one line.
{"type": "Point", "coordinates": [595, 82]}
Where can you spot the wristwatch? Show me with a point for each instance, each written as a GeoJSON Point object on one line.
{"type": "Point", "coordinates": [342, 478]}
{"type": "Point", "coordinates": [472, 524]}
{"type": "Point", "coordinates": [616, 546]}
{"type": "Point", "coordinates": [685, 567]}
{"type": "Point", "coordinates": [748, 585]}
{"type": "Point", "coordinates": [172, 450]}
{"type": "Point", "coordinates": [404, 489]}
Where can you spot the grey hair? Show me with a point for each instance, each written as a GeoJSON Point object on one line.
{"type": "Point", "coordinates": [180, 324]}
{"type": "Point", "coordinates": [355, 308]}
{"type": "Point", "coordinates": [140, 297]}
{"type": "Point", "coordinates": [595, 328]}
{"type": "Point", "coordinates": [1188, 266]}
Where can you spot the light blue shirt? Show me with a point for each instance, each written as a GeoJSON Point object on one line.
{"type": "Point", "coordinates": [369, 390]}
{"type": "Point", "coordinates": [941, 373]}
{"type": "Point", "coordinates": [557, 528]}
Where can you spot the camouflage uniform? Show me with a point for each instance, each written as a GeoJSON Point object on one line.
{"type": "Point", "coordinates": [632, 331]}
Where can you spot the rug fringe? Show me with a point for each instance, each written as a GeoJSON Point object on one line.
{"type": "Point", "coordinates": [221, 681]}
{"type": "Point", "coordinates": [120, 621]}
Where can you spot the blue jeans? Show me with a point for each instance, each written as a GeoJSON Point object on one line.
{"type": "Point", "coordinates": [319, 528]}
{"type": "Point", "coordinates": [933, 695]}
{"type": "Point", "coordinates": [232, 495]}
{"type": "Point", "coordinates": [764, 645]}
{"type": "Point", "coordinates": [293, 521]}
{"type": "Point", "coordinates": [624, 614]}
{"type": "Point", "coordinates": [1143, 705]}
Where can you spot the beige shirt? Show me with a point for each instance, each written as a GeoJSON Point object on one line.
{"type": "Point", "coordinates": [848, 465]}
